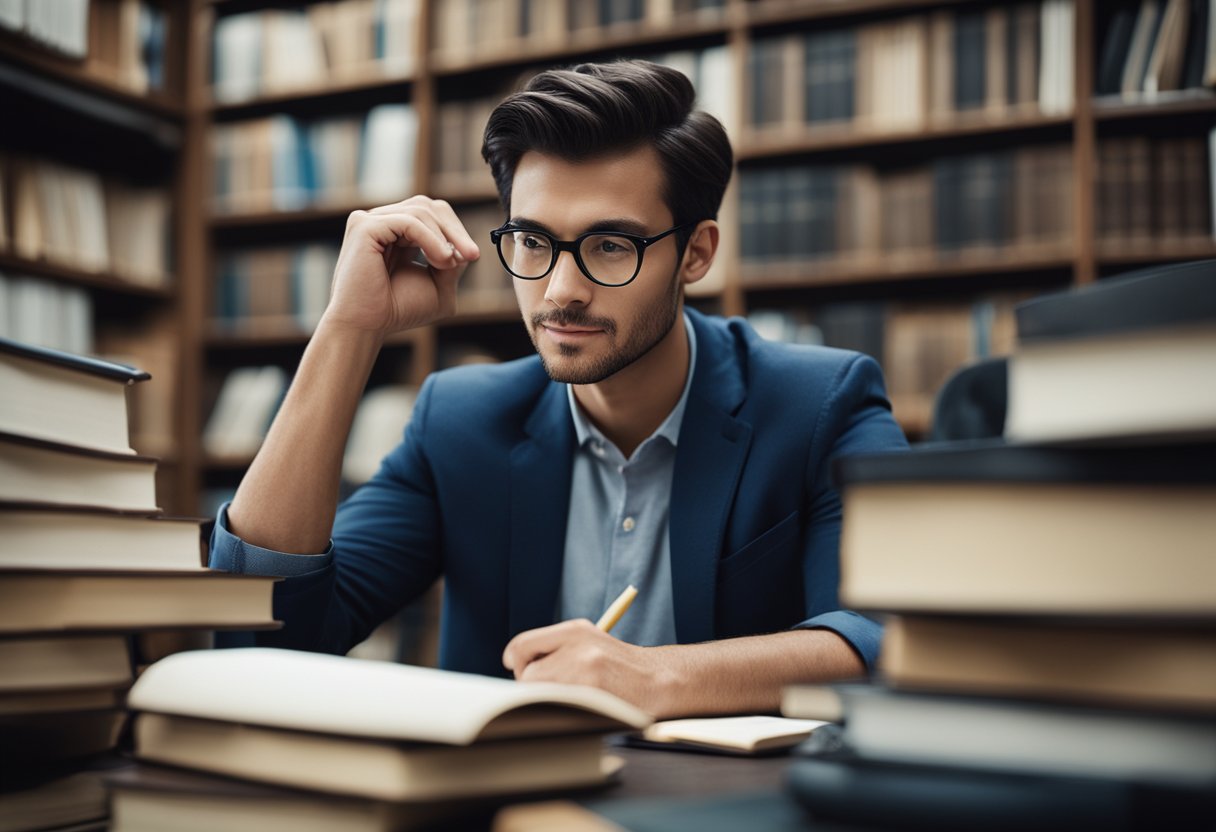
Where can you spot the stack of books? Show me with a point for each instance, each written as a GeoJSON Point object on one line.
{"type": "Point", "coordinates": [86, 561]}
{"type": "Point", "coordinates": [328, 742]}
{"type": "Point", "coordinates": [1050, 655]}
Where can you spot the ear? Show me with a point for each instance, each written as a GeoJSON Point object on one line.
{"type": "Point", "coordinates": [699, 252]}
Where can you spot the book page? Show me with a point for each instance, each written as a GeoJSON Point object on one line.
{"type": "Point", "coordinates": [357, 697]}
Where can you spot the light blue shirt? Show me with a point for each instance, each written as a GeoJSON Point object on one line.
{"type": "Point", "coordinates": [617, 525]}
{"type": "Point", "coordinates": [616, 532]}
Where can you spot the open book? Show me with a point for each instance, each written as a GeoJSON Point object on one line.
{"type": "Point", "coordinates": [372, 729]}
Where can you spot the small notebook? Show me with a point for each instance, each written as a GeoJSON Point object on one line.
{"type": "Point", "coordinates": [729, 735]}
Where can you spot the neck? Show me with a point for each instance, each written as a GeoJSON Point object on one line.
{"type": "Point", "coordinates": [630, 405]}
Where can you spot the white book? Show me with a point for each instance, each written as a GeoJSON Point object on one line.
{"type": "Point", "coordinates": [75, 320]}
{"type": "Point", "coordinates": [372, 728]}
{"type": "Point", "coordinates": [6, 306]}
{"type": "Point", "coordinates": [92, 245]}
{"type": "Point", "coordinates": [378, 428]}
{"type": "Point", "coordinates": [398, 23]}
{"type": "Point", "coordinates": [71, 539]}
{"type": "Point", "coordinates": [238, 50]}
{"type": "Point", "coordinates": [293, 56]}
{"type": "Point", "coordinates": [375, 700]}
{"type": "Point", "coordinates": [218, 433]}
{"type": "Point", "coordinates": [735, 734]}
{"type": "Point", "coordinates": [12, 14]}
{"type": "Point", "coordinates": [59, 474]}
{"type": "Point", "coordinates": [4, 236]}
{"type": "Point", "coordinates": [386, 166]}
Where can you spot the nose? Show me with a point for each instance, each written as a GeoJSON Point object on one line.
{"type": "Point", "coordinates": [567, 284]}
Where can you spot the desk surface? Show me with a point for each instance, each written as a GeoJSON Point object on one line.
{"type": "Point", "coordinates": [658, 773]}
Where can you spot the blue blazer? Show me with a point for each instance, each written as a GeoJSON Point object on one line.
{"type": "Point", "coordinates": [479, 489]}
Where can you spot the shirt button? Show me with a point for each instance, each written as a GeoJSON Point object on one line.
{"type": "Point", "coordinates": [628, 524]}
{"type": "Point", "coordinates": [597, 448]}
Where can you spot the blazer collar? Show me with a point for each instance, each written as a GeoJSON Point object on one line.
{"type": "Point", "coordinates": [709, 461]}
{"type": "Point", "coordinates": [540, 504]}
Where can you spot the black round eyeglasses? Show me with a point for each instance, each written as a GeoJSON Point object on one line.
{"type": "Point", "coordinates": [609, 258]}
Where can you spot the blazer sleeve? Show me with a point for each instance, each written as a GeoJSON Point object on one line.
{"type": "Point", "coordinates": [855, 418]}
{"type": "Point", "coordinates": [385, 552]}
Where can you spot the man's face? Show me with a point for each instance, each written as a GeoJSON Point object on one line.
{"type": "Point", "coordinates": [585, 332]}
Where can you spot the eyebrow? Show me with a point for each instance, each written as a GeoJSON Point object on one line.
{"type": "Point", "coordinates": [623, 224]}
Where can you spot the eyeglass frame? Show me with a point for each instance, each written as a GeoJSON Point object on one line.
{"type": "Point", "coordinates": [572, 246]}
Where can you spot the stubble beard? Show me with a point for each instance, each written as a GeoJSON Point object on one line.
{"type": "Point", "coordinates": [652, 327]}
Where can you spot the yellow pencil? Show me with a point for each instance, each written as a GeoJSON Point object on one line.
{"type": "Point", "coordinates": [613, 613]}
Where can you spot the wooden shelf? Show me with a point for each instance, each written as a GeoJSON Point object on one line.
{"type": "Point", "coordinates": [337, 213]}
{"type": "Point", "coordinates": [483, 317]}
{"type": "Point", "coordinates": [524, 52]}
{"type": "Point", "coordinates": [977, 262]}
{"type": "Point", "coordinates": [287, 99]}
{"type": "Point", "coordinates": [464, 191]}
{"type": "Point", "coordinates": [757, 145]}
{"type": "Point", "coordinates": [1183, 103]}
{"type": "Point", "coordinates": [26, 54]}
{"type": "Point", "coordinates": [226, 464]}
{"type": "Point", "coordinates": [110, 283]}
{"type": "Point", "coordinates": [1147, 253]}
{"type": "Point", "coordinates": [774, 12]}
{"type": "Point", "coordinates": [221, 337]}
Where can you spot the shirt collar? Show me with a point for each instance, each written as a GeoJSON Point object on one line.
{"type": "Point", "coordinates": [669, 430]}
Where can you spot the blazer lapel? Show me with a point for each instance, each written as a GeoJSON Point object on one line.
{"type": "Point", "coordinates": [712, 448]}
{"type": "Point", "coordinates": [540, 503]}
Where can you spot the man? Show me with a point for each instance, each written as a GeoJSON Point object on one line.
{"type": "Point", "coordinates": [644, 444]}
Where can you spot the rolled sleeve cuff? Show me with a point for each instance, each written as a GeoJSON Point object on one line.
{"type": "Point", "coordinates": [864, 634]}
{"type": "Point", "coordinates": [231, 554]}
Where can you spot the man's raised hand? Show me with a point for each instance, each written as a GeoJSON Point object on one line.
{"type": "Point", "coordinates": [378, 285]}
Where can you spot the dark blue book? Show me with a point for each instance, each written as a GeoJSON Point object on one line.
{"type": "Point", "coordinates": [1116, 42]}
{"type": "Point", "coordinates": [970, 60]}
{"type": "Point", "coordinates": [844, 788]}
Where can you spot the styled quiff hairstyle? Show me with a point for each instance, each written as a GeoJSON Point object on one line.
{"type": "Point", "coordinates": [595, 110]}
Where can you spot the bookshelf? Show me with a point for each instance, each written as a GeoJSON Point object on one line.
{"type": "Point", "coordinates": [96, 187]}
{"type": "Point", "coordinates": [1046, 93]}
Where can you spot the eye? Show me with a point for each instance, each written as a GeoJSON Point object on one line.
{"type": "Point", "coordinates": [533, 241]}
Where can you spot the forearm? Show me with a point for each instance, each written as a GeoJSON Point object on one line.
{"type": "Point", "coordinates": [288, 498]}
{"type": "Point", "coordinates": [746, 675]}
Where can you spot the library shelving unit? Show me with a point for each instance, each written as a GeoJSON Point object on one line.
{"type": "Point", "coordinates": [96, 154]}
{"type": "Point", "coordinates": [466, 53]}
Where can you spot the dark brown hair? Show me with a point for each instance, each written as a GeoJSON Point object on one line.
{"type": "Point", "coordinates": [593, 110]}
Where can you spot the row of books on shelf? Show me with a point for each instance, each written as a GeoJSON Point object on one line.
{"type": "Point", "coordinates": [77, 218]}
{"type": "Point", "coordinates": [273, 289]}
{"type": "Point", "coordinates": [466, 30]}
{"type": "Point", "coordinates": [1020, 199]}
{"type": "Point", "coordinates": [285, 50]}
{"type": "Point", "coordinates": [122, 41]}
{"type": "Point", "coordinates": [1049, 596]}
{"type": "Point", "coordinates": [94, 581]}
{"type": "Point", "coordinates": [46, 314]}
{"type": "Point", "coordinates": [1156, 46]}
{"type": "Point", "coordinates": [1154, 191]}
{"type": "Point", "coordinates": [912, 72]}
{"type": "Point", "coordinates": [249, 398]}
{"type": "Point", "coordinates": [281, 163]}
{"type": "Point", "coordinates": [919, 345]}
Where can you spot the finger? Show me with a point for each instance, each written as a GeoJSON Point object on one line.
{"type": "Point", "coordinates": [407, 230]}
{"type": "Point", "coordinates": [454, 230]}
{"type": "Point", "coordinates": [531, 645]}
{"type": "Point", "coordinates": [442, 217]}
